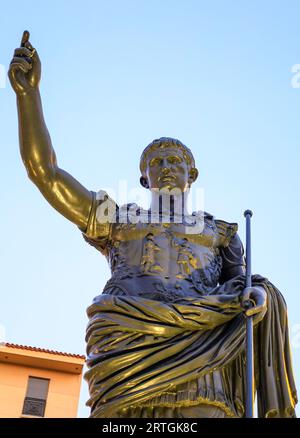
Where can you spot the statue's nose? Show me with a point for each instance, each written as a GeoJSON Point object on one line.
{"type": "Point", "coordinates": [165, 165]}
{"type": "Point", "coordinates": [165, 170]}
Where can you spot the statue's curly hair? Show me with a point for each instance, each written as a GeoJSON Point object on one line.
{"type": "Point", "coordinates": [165, 142]}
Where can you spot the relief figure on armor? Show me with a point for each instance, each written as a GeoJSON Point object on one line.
{"type": "Point", "coordinates": [148, 263]}
{"type": "Point", "coordinates": [166, 338]}
{"type": "Point", "coordinates": [186, 259]}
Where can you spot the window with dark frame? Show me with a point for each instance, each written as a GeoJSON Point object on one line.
{"type": "Point", "coordinates": [36, 396]}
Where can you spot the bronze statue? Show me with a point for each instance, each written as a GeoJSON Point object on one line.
{"type": "Point", "coordinates": [166, 338]}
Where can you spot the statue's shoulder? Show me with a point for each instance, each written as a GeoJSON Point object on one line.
{"type": "Point", "coordinates": [226, 230]}
{"type": "Point", "coordinates": [98, 229]}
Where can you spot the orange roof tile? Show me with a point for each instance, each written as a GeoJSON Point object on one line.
{"type": "Point", "coordinates": [41, 350]}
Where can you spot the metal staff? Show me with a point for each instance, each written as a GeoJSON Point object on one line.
{"type": "Point", "coordinates": [249, 325]}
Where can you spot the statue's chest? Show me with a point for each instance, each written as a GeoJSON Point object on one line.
{"type": "Point", "coordinates": [168, 250]}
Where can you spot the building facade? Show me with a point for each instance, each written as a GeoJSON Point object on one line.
{"type": "Point", "coordinates": [35, 382]}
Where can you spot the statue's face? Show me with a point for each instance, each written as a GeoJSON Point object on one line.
{"type": "Point", "coordinates": [167, 169]}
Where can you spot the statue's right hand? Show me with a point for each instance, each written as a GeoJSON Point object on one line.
{"type": "Point", "coordinates": [25, 68]}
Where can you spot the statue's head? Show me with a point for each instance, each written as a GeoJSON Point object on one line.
{"type": "Point", "coordinates": [166, 163]}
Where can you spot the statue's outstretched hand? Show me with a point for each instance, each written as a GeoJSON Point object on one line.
{"type": "Point", "coordinates": [25, 68]}
{"type": "Point", "coordinates": [254, 300]}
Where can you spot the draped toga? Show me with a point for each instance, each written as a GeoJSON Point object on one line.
{"type": "Point", "coordinates": [166, 338]}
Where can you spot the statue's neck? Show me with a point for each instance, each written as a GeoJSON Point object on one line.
{"type": "Point", "coordinates": [169, 205]}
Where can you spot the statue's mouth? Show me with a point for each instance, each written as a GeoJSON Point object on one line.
{"type": "Point", "coordinates": [166, 178]}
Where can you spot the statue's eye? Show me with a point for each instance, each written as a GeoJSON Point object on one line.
{"type": "Point", "coordinates": [174, 160]}
{"type": "Point", "coordinates": [154, 161]}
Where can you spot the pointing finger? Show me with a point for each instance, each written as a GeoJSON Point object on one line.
{"type": "Point", "coordinates": [25, 41]}
{"type": "Point", "coordinates": [25, 38]}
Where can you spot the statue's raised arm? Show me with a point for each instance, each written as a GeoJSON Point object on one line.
{"type": "Point", "coordinates": [60, 189]}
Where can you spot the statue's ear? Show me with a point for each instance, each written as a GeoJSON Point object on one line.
{"type": "Point", "coordinates": [144, 182]}
{"type": "Point", "coordinates": [193, 175]}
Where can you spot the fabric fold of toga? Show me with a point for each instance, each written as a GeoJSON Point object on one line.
{"type": "Point", "coordinates": [152, 354]}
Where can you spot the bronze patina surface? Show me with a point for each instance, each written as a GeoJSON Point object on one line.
{"type": "Point", "coordinates": [166, 338]}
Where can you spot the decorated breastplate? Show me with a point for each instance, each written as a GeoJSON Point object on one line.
{"type": "Point", "coordinates": [180, 258]}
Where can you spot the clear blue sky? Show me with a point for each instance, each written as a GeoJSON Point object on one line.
{"type": "Point", "coordinates": [216, 75]}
